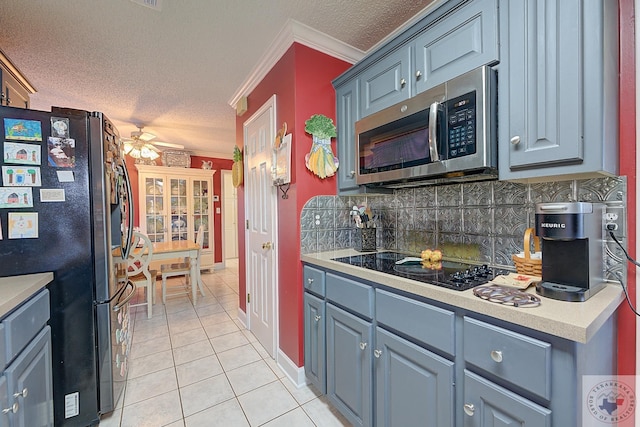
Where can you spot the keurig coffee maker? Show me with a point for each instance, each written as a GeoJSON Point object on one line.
{"type": "Point", "coordinates": [572, 253]}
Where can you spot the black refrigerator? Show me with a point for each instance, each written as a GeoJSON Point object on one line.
{"type": "Point", "coordinates": [65, 204]}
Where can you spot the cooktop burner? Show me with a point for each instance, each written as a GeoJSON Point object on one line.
{"type": "Point", "coordinates": [452, 275]}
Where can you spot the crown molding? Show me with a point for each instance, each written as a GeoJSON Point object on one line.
{"type": "Point", "coordinates": [294, 31]}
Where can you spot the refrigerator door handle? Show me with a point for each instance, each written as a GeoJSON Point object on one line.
{"type": "Point", "coordinates": [126, 299]}
{"type": "Point", "coordinates": [126, 199]}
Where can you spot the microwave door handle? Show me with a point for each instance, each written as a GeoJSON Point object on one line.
{"type": "Point", "coordinates": [433, 132]}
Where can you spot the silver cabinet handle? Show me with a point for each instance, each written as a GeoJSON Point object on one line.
{"type": "Point", "coordinates": [403, 82]}
{"type": "Point", "coordinates": [14, 408]}
{"type": "Point", "coordinates": [363, 345]}
{"type": "Point", "coordinates": [22, 393]}
{"type": "Point", "coordinates": [318, 318]}
{"type": "Point", "coordinates": [469, 409]}
{"type": "Point", "coordinates": [515, 140]}
{"type": "Point", "coordinates": [309, 280]}
{"type": "Point", "coordinates": [377, 353]}
{"type": "Point", "coordinates": [352, 174]}
{"type": "Point", "coordinates": [418, 75]}
{"type": "Point", "coordinates": [433, 134]}
{"type": "Point", "coordinates": [496, 355]}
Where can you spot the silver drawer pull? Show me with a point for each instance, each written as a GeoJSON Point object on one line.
{"type": "Point", "coordinates": [363, 345]}
{"type": "Point", "coordinates": [318, 318]}
{"type": "Point", "coordinates": [23, 393]}
{"type": "Point", "coordinates": [496, 355]}
{"type": "Point", "coordinates": [309, 280]}
{"type": "Point", "coordinates": [14, 408]}
{"type": "Point", "coordinates": [402, 82]}
{"type": "Point", "coordinates": [418, 75]}
{"type": "Point", "coordinates": [377, 353]}
{"type": "Point", "coordinates": [515, 140]}
{"type": "Point", "coordinates": [469, 409]}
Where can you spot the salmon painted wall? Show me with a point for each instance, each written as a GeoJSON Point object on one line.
{"type": "Point", "coordinates": [301, 81]}
{"type": "Point", "coordinates": [628, 167]}
{"type": "Point", "coordinates": [196, 162]}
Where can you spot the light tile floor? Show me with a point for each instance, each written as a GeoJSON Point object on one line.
{"type": "Point", "coordinates": [198, 366]}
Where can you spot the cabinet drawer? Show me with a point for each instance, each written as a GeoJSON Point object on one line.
{"type": "Point", "coordinates": [23, 324]}
{"type": "Point", "coordinates": [426, 323]}
{"type": "Point", "coordinates": [314, 280]}
{"type": "Point", "coordinates": [516, 358]}
{"type": "Point", "coordinates": [353, 296]}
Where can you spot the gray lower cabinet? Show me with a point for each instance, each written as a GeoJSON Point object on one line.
{"type": "Point", "coordinates": [557, 89]}
{"type": "Point", "coordinates": [314, 342]}
{"type": "Point", "coordinates": [26, 383]}
{"type": "Point", "coordinates": [349, 377]}
{"type": "Point", "coordinates": [414, 387]}
{"type": "Point", "coordinates": [397, 360]}
{"type": "Point", "coordinates": [489, 405]}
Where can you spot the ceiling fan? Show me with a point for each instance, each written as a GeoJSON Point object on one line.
{"type": "Point", "coordinates": [141, 146]}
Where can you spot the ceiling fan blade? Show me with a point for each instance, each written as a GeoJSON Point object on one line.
{"type": "Point", "coordinates": [168, 144]}
{"type": "Point", "coordinates": [146, 136]}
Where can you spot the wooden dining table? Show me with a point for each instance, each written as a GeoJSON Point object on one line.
{"type": "Point", "coordinates": [177, 249]}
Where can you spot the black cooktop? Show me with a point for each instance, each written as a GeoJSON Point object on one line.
{"type": "Point", "coordinates": [452, 275]}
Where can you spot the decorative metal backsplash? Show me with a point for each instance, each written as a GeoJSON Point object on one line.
{"type": "Point", "coordinates": [479, 221]}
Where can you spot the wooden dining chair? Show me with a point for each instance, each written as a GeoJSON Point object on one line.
{"type": "Point", "coordinates": [138, 271]}
{"type": "Point", "coordinates": [182, 269]}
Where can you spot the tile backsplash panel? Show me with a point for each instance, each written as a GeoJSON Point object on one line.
{"type": "Point", "coordinates": [481, 222]}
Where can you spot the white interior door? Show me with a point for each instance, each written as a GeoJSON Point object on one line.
{"type": "Point", "coordinates": [229, 216]}
{"type": "Point", "coordinates": [260, 210]}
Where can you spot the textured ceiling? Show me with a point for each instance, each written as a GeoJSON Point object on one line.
{"type": "Point", "coordinates": [173, 70]}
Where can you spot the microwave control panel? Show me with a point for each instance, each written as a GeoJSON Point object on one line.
{"type": "Point", "coordinates": [461, 125]}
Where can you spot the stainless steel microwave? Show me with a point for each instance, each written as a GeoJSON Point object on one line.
{"type": "Point", "coordinates": [445, 133]}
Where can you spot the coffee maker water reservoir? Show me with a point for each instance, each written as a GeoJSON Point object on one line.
{"type": "Point", "coordinates": [572, 249]}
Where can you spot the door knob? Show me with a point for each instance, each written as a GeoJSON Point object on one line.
{"type": "Point", "coordinates": [22, 393]}
{"type": "Point", "coordinates": [515, 140]}
{"type": "Point", "coordinates": [363, 345]}
{"type": "Point", "coordinates": [496, 355]}
{"type": "Point", "coordinates": [13, 409]}
{"type": "Point", "coordinates": [267, 245]}
{"type": "Point", "coordinates": [403, 82]}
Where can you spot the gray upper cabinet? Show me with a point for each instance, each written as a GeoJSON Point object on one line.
{"type": "Point", "coordinates": [557, 89]}
{"type": "Point", "coordinates": [347, 115]}
{"type": "Point", "coordinates": [455, 37]}
{"type": "Point", "coordinates": [465, 40]}
{"type": "Point", "coordinates": [386, 83]}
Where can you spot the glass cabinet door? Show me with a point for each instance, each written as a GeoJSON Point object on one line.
{"type": "Point", "coordinates": [155, 216]}
{"type": "Point", "coordinates": [179, 218]}
{"type": "Point", "coordinates": [201, 194]}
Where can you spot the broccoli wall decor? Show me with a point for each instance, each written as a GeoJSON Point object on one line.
{"type": "Point", "coordinates": [320, 160]}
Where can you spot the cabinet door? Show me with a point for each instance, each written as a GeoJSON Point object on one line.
{"type": "Point", "coordinates": [29, 381]}
{"type": "Point", "coordinates": [544, 81]}
{"type": "Point", "coordinates": [179, 202]}
{"type": "Point", "coordinates": [349, 372]}
{"type": "Point", "coordinates": [200, 214]}
{"type": "Point", "coordinates": [414, 387]}
{"type": "Point", "coordinates": [557, 88]}
{"type": "Point", "coordinates": [13, 93]}
{"type": "Point", "coordinates": [489, 405]}
{"type": "Point", "coordinates": [386, 82]}
{"type": "Point", "coordinates": [465, 39]}
{"type": "Point", "coordinates": [347, 115]}
{"type": "Point", "coordinates": [5, 403]}
{"type": "Point", "coordinates": [314, 342]}
{"type": "Point", "coordinates": [153, 209]}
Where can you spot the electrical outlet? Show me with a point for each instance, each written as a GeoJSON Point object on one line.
{"type": "Point", "coordinates": [613, 220]}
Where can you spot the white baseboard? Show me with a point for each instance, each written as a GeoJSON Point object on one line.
{"type": "Point", "coordinates": [291, 370]}
{"type": "Point", "coordinates": [242, 317]}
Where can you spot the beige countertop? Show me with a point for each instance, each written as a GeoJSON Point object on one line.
{"type": "Point", "coordinates": [576, 321]}
{"type": "Point", "coordinates": [15, 290]}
